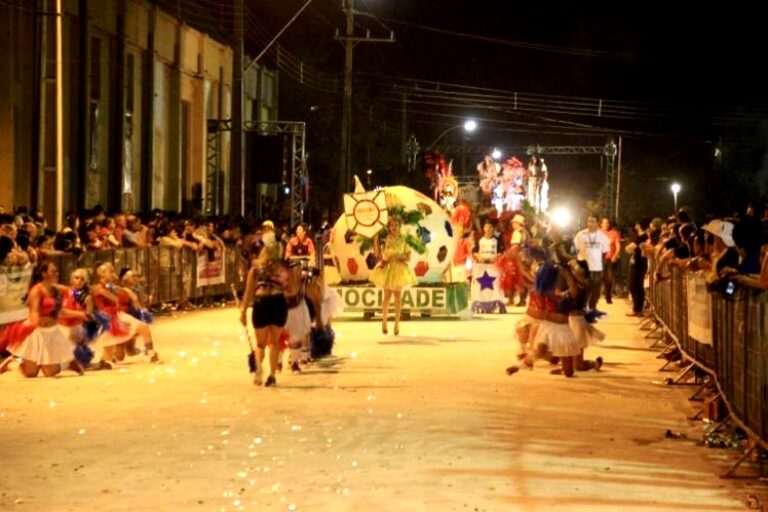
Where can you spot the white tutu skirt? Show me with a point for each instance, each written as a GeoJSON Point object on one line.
{"type": "Point", "coordinates": [46, 346]}
{"type": "Point", "coordinates": [75, 333]}
{"type": "Point", "coordinates": [531, 325]}
{"type": "Point", "coordinates": [558, 338]}
{"type": "Point", "coordinates": [129, 324]}
{"type": "Point", "coordinates": [586, 334]}
{"type": "Point", "coordinates": [299, 323]}
{"type": "Point", "coordinates": [331, 305]}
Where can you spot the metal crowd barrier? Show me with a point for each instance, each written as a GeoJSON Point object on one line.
{"type": "Point", "coordinates": [168, 274]}
{"type": "Point", "coordinates": [738, 356]}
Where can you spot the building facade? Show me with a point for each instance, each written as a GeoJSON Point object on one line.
{"type": "Point", "coordinates": [138, 87]}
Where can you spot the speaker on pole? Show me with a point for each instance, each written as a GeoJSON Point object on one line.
{"type": "Point", "coordinates": [264, 158]}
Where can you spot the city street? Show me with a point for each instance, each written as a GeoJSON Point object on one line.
{"type": "Point", "coordinates": [427, 420]}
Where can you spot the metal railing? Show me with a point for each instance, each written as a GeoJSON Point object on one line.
{"type": "Point", "coordinates": [167, 274]}
{"type": "Point", "coordinates": [737, 358]}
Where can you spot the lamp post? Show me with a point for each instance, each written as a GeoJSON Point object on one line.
{"type": "Point", "coordinates": [469, 126]}
{"type": "Point", "coordinates": [675, 188]}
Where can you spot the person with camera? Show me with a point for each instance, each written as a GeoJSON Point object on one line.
{"type": "Point", "coordinates": [748, 239]}
{"type": "Point", "coordinates": [724, 255]}
{"type": "Point", "coordinates": [592, 245]}
{"type": "Point", "coordinates": [300, 245]}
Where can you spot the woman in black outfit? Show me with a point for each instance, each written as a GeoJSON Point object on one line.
{"type": "Point", "coordinates": [266, 284]}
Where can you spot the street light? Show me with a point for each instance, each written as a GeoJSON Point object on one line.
{"type": "Point", "coordinates": [675, 190]}
{"type": "Point", "coordinates": [496, 154]}
{"type": "Point", "coordinates": [469, 126]}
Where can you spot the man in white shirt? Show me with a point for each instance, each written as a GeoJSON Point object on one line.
{"type": "Point", "coordinates": [592, 245]}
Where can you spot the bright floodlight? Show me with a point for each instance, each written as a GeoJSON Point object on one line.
{"type": "Point", "coordinates": [470, 125]}
{"type": "Point", "coordinates": [561, 216]}
{"type": "Point", "coordinates": [496, 154]}
{"type": "Point", "coordinates": [675, 188]}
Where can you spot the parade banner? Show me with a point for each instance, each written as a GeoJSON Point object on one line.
{"type": "Point", "coordinates": [210, 271]}
{"type": "Point", "coordinates": [446, 299]}
{"type": "Point", "coordinates": [14, 284]}
{"type": "Point", "coordinates": [486, 291]}
{"type": "Point", "coordinates": [366, 213]}
{"type": "Point", "coordinates": [699, 309]}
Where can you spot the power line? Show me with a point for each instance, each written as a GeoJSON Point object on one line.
{"type": "Point", "coordinates": [506, 42]}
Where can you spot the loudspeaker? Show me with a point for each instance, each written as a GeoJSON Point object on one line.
{"type": "Point", "coordinates": [264, 158]}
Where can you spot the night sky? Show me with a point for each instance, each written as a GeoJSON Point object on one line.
{"type": "Point", "coordinates": [685, 83]}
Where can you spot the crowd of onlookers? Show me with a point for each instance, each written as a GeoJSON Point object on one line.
{"type": "Point", "coordinates": [730, 250]}
{"type": "Point", "coordinates": [26, 236]}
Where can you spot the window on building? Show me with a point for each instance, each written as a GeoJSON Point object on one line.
{"type": "Point", "coordinates": [95, 68]}
{"type": "Point", "coordinates": [129, 79]}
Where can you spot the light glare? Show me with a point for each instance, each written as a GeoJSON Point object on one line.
{"type": "Point", "coordinates": [561, 216]}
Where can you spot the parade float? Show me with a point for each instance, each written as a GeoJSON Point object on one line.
{"type": "Point", "coordinates": [455, 267]}
{"type": "Point", "coordinates": [429, 231]}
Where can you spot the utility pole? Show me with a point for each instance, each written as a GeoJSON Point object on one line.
{"type": "Point", "coordinates": [350, 41]}
{"type": "Point", "coordinates": [237, 178]}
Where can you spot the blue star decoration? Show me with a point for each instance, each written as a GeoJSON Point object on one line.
{"type": "Point", "coordinates": [486, 281]}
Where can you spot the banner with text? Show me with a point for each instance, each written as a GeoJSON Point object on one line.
{"type": "Point", "coordinates": [14, 284]}
{"type": "Point", "coordinates": [447, 299]}
{"type": "Point", "coordinates": [699, 309]}
{"type": "Point", "coordinates": [210, 267]}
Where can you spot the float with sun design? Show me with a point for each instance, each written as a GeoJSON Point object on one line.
{"type": "Point", "coordinates": [428, 231]}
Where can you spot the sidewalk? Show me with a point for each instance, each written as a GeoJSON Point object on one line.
{"type": "Point", "coordinates": [424, 421]}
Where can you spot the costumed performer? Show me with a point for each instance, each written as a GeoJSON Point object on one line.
{"type": "Point", "coordinates": [82, 328]}
{"type": "Point", "coordinates": [39, 342]}
{"type": "Point", "coordinates": [553, 337]}
{"type": "Point", "coordinates": [265, 285]}
{"type": "Point", "coordinates": [131, 303]}
{"type": "Point", "coordinates": [298, 321]}
{"type": "Point", "coordinates": [392, 273]}
{"type": "Point", "coordinates": [577, 278]}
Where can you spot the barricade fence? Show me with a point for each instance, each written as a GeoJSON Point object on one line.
{"type": "Point", "coordinates": [737, 353]}
{"type": "Point", "coordinates": [167, 274]}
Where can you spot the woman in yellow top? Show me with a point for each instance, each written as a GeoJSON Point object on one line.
{"type": "Point", "coordinates": [393, 273]}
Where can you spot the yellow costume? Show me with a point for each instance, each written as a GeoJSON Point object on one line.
{"type": "Point", "coordinates": [392, 273]}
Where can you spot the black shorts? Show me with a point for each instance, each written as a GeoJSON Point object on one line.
{"type": "Point", "coordinates": [269, 310]}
